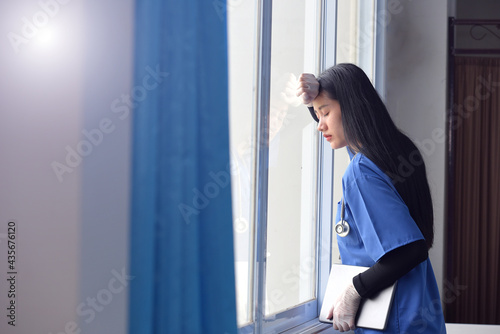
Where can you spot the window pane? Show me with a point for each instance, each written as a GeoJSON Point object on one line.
{"type": "Point", "coordinates": [356, 30]}
{"type": "Point", "coordinates": [356, 33]}
{"type": "Point", "coordinates": [241, 45]}
{"type": "Point", "coordinates": [291, 233]}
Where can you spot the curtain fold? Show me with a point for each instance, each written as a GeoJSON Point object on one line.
{"type": "Point", "coordinates": [473, 294]}
{"type": "Point", "coordinates": [181, 221]}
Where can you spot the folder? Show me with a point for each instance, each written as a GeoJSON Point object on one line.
{"type": "Point", "coordinates": [372, 313]}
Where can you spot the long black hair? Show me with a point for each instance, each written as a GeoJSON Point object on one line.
{"type": "Point", "coordinates": [369, 129]}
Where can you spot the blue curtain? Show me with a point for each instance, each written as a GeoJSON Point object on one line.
{"type": "Point", "coordinates": [181, 224]}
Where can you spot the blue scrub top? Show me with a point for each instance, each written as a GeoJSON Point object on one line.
{"type": "Point", "coordinates": [380, 222]}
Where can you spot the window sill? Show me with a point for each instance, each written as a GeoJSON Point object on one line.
{"type": "Point", "coordinates": [312, 327]}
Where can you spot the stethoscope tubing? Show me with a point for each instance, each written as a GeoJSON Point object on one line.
{"type": "Point", "coordinates": [342, 228]}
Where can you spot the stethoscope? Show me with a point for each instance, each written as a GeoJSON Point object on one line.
{"type": "Point", "coordinates": [342, 227]}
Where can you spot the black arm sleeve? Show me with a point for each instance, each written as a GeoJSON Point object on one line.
{"type": "Point", "coordinates": [390, 268]}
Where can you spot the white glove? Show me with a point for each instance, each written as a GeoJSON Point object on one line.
{"type": "Point", "coordinates": [308, 88]}
{"type": "Point", "coordinates": [344, 310]}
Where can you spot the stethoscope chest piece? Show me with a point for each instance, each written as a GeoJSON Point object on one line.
{"type": "Point", "coordinates": [342, 228]}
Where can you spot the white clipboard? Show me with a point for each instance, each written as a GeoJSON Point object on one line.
{"type": "Point", "coordinates": [372, 313]}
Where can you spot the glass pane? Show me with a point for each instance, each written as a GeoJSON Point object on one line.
{"type": "Point", "coordinates": [241, 45]}
{"type": "Point", "coordinates": [291, 231]}
{"type": "Point", "coordinates": [356, 31]}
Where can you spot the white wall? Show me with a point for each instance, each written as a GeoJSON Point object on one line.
{"type": "Point", "coordinates": [72, 59]}
{"type": "Point", "coordinates": [40, 114]}
{"type": "Point", "coordinates": [105, 191]}
{"type": "Point", "coordinates": [416, 94]}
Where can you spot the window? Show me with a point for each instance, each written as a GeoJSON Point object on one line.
{"type": "Point", "coordinates": [282, 180]}
{"type": "Point", "coordinates": [357, 36]}
{"type": "Point", "coordinates": [242, 29]}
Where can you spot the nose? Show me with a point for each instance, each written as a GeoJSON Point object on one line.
{"type": "Point", "coordinates": [321, 125]}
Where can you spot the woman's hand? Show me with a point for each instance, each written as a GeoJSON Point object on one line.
{"type": "Point", "coordinates": [308, 88]}
{"type": "Point", "coordinates": [344, 310]}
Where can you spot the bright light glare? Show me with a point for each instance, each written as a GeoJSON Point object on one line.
{"type": "Point", "coordinates": [46, 37]}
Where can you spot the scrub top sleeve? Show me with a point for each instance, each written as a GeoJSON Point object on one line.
{"type": "Point", "coordinates": [382, 218]}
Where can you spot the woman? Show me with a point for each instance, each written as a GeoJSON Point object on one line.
{"type": "Point", "coordinates": [388, 205]}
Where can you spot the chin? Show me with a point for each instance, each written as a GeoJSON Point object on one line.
{"type": "Point", "coordinates": [336, 146]}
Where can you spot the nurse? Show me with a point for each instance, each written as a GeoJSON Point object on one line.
{"type": "Point", "coordinates": [387, 203]}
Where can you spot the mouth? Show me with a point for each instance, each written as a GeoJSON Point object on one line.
{"type": "Point", "coordinates": [327, 137]}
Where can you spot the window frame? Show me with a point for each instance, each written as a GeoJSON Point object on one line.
{"type": "Point", "coordinates": [305, 315]}
{"type": "Point", "coordinates": [308, 311]}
